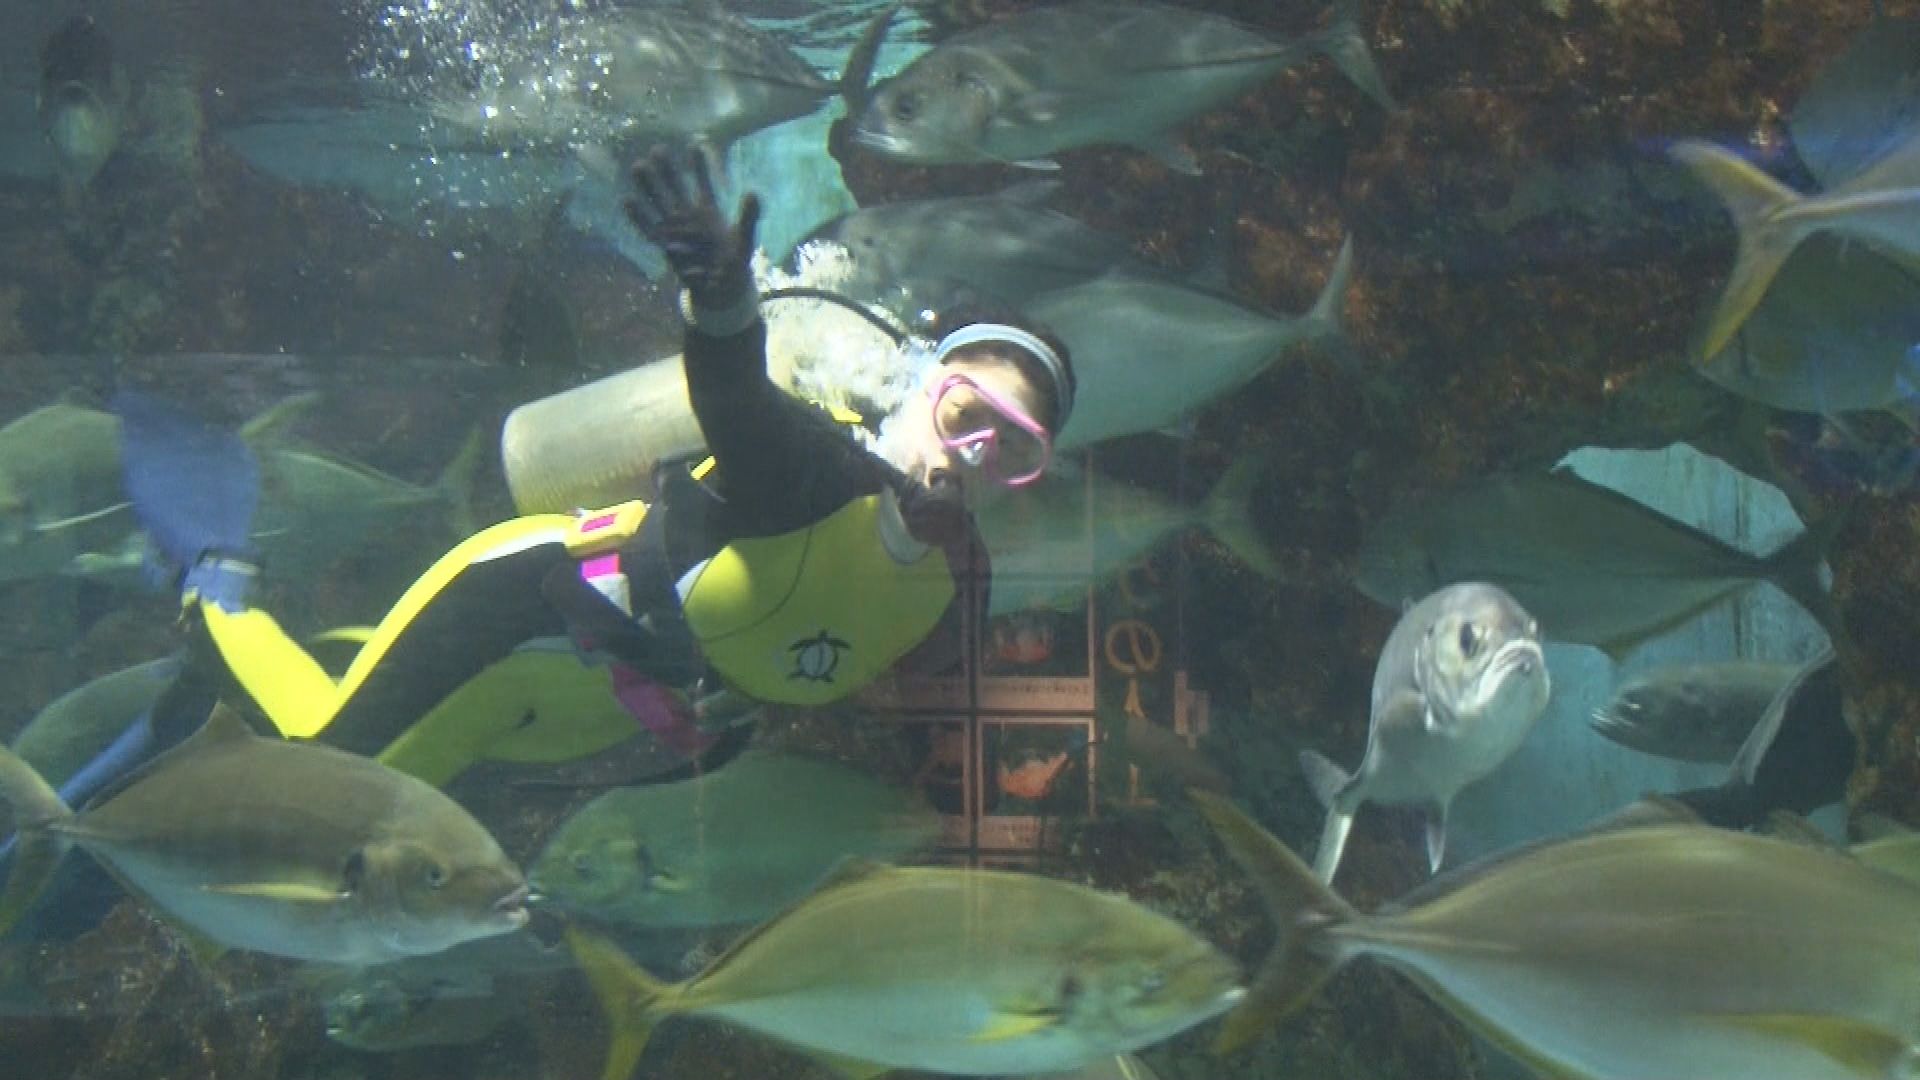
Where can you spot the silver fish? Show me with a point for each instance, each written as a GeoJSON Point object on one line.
{"type": "Point", "coordinates": [447, 998]}
{"type": "Point", "coordinates": [1007, 244]}
{"type": "Point", "coordinates": [83, 100]}
{"type": "Point", "coordinates": [316, 506]}
{"type": "Point", "coordinates": [1044, 545]}
{"type": "Point", "coordinates": [730, 846]}
{"type": "Point", "coordinates": [1594, 566]}
{"type": "Point", "coordinates": [1692, 712]}
{"type": "Point", "coordinates": [1055, 78]}
{"type": "Point", "coordinates": [946, 969]}
{"type": "Point", "coordinates": [656, 72]}
{"type": "Point", "coordinates": [1834, 333]}
{"type": "Point", "coordinates": [60, 493]}
{"type": "Point", "coordinates": [1798, 757]}
{"type": "Point", "coordinates": [1460, 683]}
{"type": "Point", "coordinates": [1625, 953]}
{"type": "Point", "coordinates": [293, 849]}
{"type": "Point", "coordinates": [1147, 354]}
{"type": "Point", "coordinates": [80, 723]}
{"type": "Point", "coordinates": [1868, 164]}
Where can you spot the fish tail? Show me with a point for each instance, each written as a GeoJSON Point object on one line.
{"type": "Point", "coordinates": [857, 78]}
{"type": "Point", "coordinates": [1326, 320]}
{"type": "Point", "coordinates": [1346, 45]}
{"type": "Point", "coordinates": [1794, 568]}
{"type": "Point", "coordinates": [1767, 236]}
{"type": "Point", "coordinates": [1305, 914]}
{"type": "Point", "coordinates": [1228, 513]}
{"type": "Point", "coordinates": [454, 486]}
{"type": "Point", "coordinates": [630, 997]}
{"type": "Point", "coordinates": [36, 807]}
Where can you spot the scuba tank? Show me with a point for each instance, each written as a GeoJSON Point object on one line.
{"type": "Point", "coordinates": [599, 444]}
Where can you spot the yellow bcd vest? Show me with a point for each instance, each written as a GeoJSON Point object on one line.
{"type": "Point", "coordinates": [810, 616]}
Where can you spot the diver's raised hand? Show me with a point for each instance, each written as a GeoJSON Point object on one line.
{"type": "Point", "coordinates": [675, 207]}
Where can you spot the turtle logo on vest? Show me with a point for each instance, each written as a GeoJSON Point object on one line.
{"type": "Point", "coordinates": [816, 658]}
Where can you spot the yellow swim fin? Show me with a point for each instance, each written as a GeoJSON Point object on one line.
{"type": "Point", "coordinates": [290, 686]}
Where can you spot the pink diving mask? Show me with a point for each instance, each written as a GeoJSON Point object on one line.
{"type": "Point", "coordinates": [989, 432]}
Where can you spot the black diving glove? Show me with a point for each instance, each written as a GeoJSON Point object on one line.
{"type": "Point", "coordinates": [674, 206]}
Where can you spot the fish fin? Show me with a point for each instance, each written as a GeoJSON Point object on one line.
{"type": "Point", "coordinates": [454, 485]}
{"type": "Point", "coordinates": [1767, 236]}
{"type": "Point", "coordinates": [1036, 192]}
{"type": "Point", "coordinates": [857, 77]}
{"type": "Point", "coordinates": [1791, 827]}
{"type": "Point", "coordinates": [628, 994]}
{"type": "Point", "coordinates": [850, 870]}
{"type": "Point", "coordinates": [272, 423]}
{"type": "Point", "coordinates": [205, 951]}
{"type": "Point", "coordinates": [1331, 785]}
{"type": "Point", "coordinates": [289, 891]}
{"type": "Point", "coordinates": [1007, 1026]}
{"type": "Point", "coordinates": [1649, 810]}
{"type": "Point", "coordinates": [1302, 908]}
{"type": "Point", "coordinates": [293, 690]}
{"type": "Point", "coordinates": [37, 815]}
{"type": "Point", "coordinates": [1169, 152]}
{"type": "Point", "coordinates": [1327, 316]}
{"type": "Point", "coordinates": [1869, 1050]}
{"type": "Point", "coordinates": [1898, 855]}
{"type": "Point", "coordinates": [1436, 821]}
{"type": "Point", "coordinates": [1228, 514]}
{"type": "Point", "coordinates": [850, 1068]}
{"type": "Point", "coordinates": [1345, 44]}
{"type": "Point", "coordinates": [1794, 568]}
{"type": "Point", "coordinates": [1037, 164]}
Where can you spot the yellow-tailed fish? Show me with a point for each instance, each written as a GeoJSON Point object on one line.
{"type": "Point", "coordinates": [950, 970]}
{"type": "Point", "coordinates": [1666, 951]}
{"type": "Point", "coordinates": [288, 848]}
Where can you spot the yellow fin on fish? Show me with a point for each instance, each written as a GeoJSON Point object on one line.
{"type": "Point", "coordinates": [1007, 1026]}
{"type": "Point", "coordinates": [629, 995]}
{"type": "Point", "coordinates": [291, 891]}
{"type": "Point", "coordinates": [1869, 1050]}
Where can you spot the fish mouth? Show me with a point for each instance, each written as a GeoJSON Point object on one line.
{"type": "Point", "coordinates": [513, 906]}
{"type": "Point", "coordinates": [1519, 657]}
{"type": "Point", "coordinates": [877, 141]}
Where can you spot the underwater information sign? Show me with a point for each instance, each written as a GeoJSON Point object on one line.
{"type": "Point", "coordinates": [1015, 734]}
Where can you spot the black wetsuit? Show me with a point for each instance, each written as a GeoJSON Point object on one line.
{"type": "Point", "coordinates": [780, 464]}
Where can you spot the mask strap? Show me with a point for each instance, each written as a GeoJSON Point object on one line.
{"type": "Point", "coordinates": [1012, 335]}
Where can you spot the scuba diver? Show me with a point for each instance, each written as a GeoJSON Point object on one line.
{"type": "Point", "coordinates": [793, 566]}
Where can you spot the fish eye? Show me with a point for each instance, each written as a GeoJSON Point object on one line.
{"type": "Point", "coordinates": [906, 106]}
{"type": "Point", "coordinates": [436, 876]}
{"type": "Point", "coordinates": [352, 874]}
{"type": "Point", "coordinates": [1151, 983]}
{"type": "Point", "coordinates": [1070, 987]}
{"type": "Point", "coordinates": [1469, 640]}
{"type": "Point", "coordinates": [582, 864]}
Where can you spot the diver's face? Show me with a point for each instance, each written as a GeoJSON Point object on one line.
{"type": "Point", "coordinates": [984, 418]}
